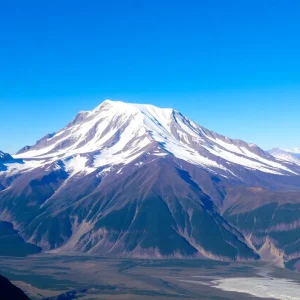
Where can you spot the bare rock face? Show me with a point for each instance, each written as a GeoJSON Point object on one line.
{"type": "Point", "coordinates": [5, 157]}
{"type": "Point", "coordinates": [141, 181]}
{"type": "Point", "coordinates": [8, 291]}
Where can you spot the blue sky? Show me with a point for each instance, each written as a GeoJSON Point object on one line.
{"type": "Point", "coordinates": [232, 66]}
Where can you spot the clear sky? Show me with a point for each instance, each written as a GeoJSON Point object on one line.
{"type": "Point", "coordinates": [232, 66]}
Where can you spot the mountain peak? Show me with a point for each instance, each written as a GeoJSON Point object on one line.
{"type": "Point", "coordinates": [127, 106]}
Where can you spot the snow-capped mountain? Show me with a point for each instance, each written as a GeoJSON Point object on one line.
{"type": "Point", "coordinates": [291, 155]}
{"type": "Point", "coordinates": [137, 180]}
{"type": "Point", "coordinates": [116, 133]}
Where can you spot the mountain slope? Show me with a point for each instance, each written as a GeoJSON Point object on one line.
{"type": "Point", "coordinates": [12, 244]}
{"type": "Point", "coordinates": [136, 180]}
{"type": "Point", "coordinates": [286, 155]}
{"type": "Point", "coordinates": [295, 151]}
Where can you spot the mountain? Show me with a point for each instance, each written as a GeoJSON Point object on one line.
{"type": "Point", "coordinates": [141, 181]}
{"type": "Point", "coordinates": [292, 155]}
{"type": "Point", "coordinates": [8, 291]}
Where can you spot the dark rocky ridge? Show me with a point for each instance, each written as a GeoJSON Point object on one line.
{"type": "Point", "coordinates": [10, 292]}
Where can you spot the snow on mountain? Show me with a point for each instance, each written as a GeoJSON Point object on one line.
{"type": "Point", "coordinates": [286, 154]}
{"type": "Point", "coordinates": [295, 150]}
{"type": "Point", "coordinates": [117, 133]}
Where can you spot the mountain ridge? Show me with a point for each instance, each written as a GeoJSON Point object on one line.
{"type": "Point", "coordinates": [9, 291]}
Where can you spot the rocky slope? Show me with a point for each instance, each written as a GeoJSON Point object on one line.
{"type": "Point", "coordinates": [136, 180]}
{"type": "Point", "coordinates": [12, 244]}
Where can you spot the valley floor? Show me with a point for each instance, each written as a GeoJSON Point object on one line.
{"type": "Point", "coordinates": [88, 277]}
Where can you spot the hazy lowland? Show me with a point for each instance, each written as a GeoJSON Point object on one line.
{"type": "Point", "coordinates": [88, 277]}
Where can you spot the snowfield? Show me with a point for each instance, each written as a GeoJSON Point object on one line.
{"type": "Point", "coordinates": [275, 288]}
